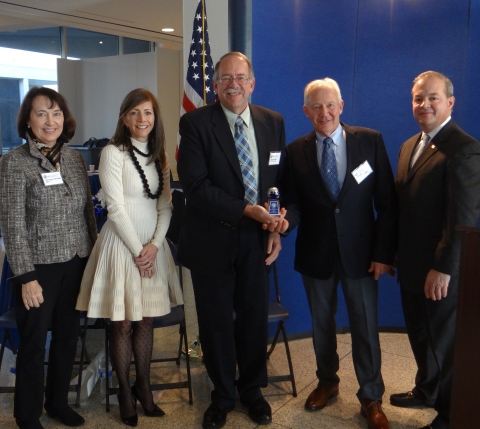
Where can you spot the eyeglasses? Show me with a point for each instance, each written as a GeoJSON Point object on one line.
{"type": "Point", "coordinates": [241, 80]}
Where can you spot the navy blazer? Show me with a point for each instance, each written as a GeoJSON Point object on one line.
{"type": "Point", "coordinates": [441, 190]}
{"type": "Point", "coordinates": [211, 179]}
{"type": "Point", "coordinates": [360, 226]}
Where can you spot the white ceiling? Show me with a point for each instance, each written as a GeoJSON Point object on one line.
{"type": "Point", "coordinates": [140, 19]}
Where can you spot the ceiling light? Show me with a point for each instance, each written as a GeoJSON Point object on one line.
{"type": "Point", "coordinates": [167, 30]}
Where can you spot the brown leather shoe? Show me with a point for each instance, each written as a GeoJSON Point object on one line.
{"type": "Point", "coordinates": [319, 397]}
{"type": "Point", "coordinates": [372, 411]}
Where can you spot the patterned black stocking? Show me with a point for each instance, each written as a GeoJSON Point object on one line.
{"type": "Point", "coordinates": [142, 343]}
{"type": "Point", "coordinates": [121, 353]}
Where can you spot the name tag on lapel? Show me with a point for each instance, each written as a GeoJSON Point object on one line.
{"type": "Point", "coordinates": [362, 172]}
{"type": "Point", "coordinates": [54, 178]}
{"type": "Point", "coordinates": [274, 158]}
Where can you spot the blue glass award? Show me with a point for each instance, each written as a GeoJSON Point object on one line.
{"type": "Point", "coordinates": [274, 201]}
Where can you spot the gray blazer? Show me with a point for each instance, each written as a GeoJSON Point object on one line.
{"type": "Point", "coordinates": [44, 224]}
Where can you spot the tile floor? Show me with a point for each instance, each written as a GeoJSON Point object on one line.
{"type": "Point", "coordinates": [288, 412]}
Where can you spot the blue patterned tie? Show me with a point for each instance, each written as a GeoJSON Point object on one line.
{"type": "Point", "coordinates": [246, 164]}
{"type": "Point", "coordinates": [328, 169]}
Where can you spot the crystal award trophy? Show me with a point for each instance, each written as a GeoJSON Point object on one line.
{"type": "Point", "coordinates": [274, 201]}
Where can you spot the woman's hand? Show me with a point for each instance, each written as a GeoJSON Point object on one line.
{"type": "Point", "coordinates": [147, 273]}
{"type": "Point", "coordinates": [146, 260]}
{"type": "Point", "coordinates": [32, 294]}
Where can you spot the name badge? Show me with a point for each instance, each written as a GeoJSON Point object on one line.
{"type": "Point", "coordinates": [274, 158]}
{"type": "Point", "coordinates": [362, 172]}
{"type": "Point", "coordinates": [50, 179]}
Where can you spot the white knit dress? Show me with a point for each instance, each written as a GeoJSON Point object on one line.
{"type": "Point", "coordinates": [112, 286]}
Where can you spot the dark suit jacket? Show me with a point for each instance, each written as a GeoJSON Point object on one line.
{"type": "Point", "coordinates": [350, 224]}
{"type": "Point", "coordinates": [211, 178]}
{"type": "Point", "coordinates": [442, 190]}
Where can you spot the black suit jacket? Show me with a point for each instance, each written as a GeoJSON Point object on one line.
{"type": "Point", "coordinates": [442, 190]}
{"type": "Point", "coordinates": [211, 178]}
{"type": "Point", "coordinates": [349, 225]}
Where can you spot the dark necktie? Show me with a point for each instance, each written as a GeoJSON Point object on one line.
{"type": "Point", "coordinates": [246, 164]}
{"type": "Point", "coordinates": [328, 168]}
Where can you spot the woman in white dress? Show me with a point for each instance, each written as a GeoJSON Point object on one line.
{"type": "Point", "coordinates": [130, 276]}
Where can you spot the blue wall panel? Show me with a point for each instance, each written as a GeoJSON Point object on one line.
{"type": "Point", "coordinates": [374, 49]}
{"type": "Point", "coordinates": [295, 42]}
{"type": "Point", "coordinates": [467, 111]}
{"type": "Point", "coordinates": [396, 41]}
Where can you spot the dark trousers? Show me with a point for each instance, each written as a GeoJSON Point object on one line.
{"type": "Point", "coordinates": [431, 331]}
{"type": "Point", "coordinates": [60, 283]}
{"type": "Point", "coordinates": [361, 296]}
{"type": "Point", "coordinates": [226, 342]}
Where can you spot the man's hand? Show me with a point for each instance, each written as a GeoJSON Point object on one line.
{"type": "Point", "coordinates": [436, 285]}
{"type": "Point", "coordinates": [280, 224]}
{"type": "Point", "coordinates": [258, 213]}
{"type": "Point", "coordinates": [32, 294]}
{"type": "Point", "coordinates": [378, 269]}
{"type": "Point", "coordinates": [273, 248]}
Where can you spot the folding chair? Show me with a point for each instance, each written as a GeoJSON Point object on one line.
{"type": "Point", "coordinates": [277, 313]}
{"type": "Point", "coordinates": [8, 323]}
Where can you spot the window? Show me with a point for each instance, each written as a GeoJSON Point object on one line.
{"type": "Point", "coordinates": [28, 58]}
{"type": "Point", "coordinates": [134, 46]}
{"type": "Point", "coordinates": [43, 40]}
{"type": "Point", "coordinates": [87, 44]}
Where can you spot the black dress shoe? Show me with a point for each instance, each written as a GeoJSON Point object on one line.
{"type": "Point", "coordinates": [131, 420]}
{"type": "Point", "coordinates": [67, 416]}
{"type": "Point", "coordinates": [408, 400]}
{"type": "Point", "coordinates": [259, 410]}
{"type": "Point", "coordinates": [156, 411]}
{"type": "Point", "coordinates": [29, 424]}
{"type": "Point", "coordinates": [215, 416]}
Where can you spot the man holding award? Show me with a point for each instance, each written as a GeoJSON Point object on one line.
{"type": "Point", "coordinates": [231, 153]}
{"type": "Point", "coordinates": [339, 190]}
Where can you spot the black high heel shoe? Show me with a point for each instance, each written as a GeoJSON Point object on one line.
{"type": "Point", "coordinates": [156, 412]}
{"type": "Point", "coordinates": [129, 421]}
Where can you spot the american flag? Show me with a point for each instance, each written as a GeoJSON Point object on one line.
{"type": "Point", "coordinates": [199, 80]}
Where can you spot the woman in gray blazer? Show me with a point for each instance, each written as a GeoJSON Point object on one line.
{"type": "Point", "coordinates": [48, 223]}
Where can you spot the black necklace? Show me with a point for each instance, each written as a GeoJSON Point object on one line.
{"type": "Point", "coordinates": [146, 155]}
{"type": "Point", "coordinates": [144, 178]}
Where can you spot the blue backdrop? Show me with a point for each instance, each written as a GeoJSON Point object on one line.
{"type": "Point", "coordinates": [373, 49]}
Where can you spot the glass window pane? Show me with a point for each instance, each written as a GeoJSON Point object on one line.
{"type": "Point", "coordinates": [87, 44]}
{"type": "Point", "coordinates": [20, 71]}
{"type": "Point", "coordinates": [135, 46]}
{"type": "Point", "coordinates": [9, 105]}
{"type": "Point", "coordinates": [43, 40]}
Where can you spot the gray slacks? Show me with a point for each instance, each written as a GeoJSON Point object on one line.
{"type": "Point", "coordinates": [361, 296]}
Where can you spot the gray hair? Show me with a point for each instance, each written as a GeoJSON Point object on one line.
{"type": "Point", "coordinates": [321, 83]}
{"type": "Point", "coordinates": [235, 54]}
{"type": "Point", "coordinates": [429, 74]}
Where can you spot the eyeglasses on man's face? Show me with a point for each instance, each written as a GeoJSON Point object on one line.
{"type": "Point", "coordinates": [241, 80]}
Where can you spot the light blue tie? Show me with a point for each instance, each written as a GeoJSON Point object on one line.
{"type": "Point", "coordinates": [328, 169]}
{"type": "Point", "coordinates": [422, 144]}
{"type": "Point", "coordinates": [246, 164]}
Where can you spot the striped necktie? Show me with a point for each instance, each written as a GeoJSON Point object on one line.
{"type": "Point", "coordinates": [246, 164]}
{"type": "Point", "coordinates": [328, 169]}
